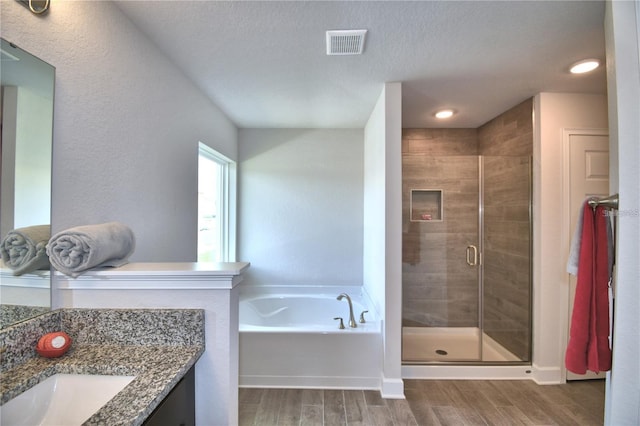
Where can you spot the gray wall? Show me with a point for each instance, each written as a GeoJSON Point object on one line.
{"type": "Point", "coordinates": [126, 125]}
{"type": "Point", "coordinates": [301, 206]}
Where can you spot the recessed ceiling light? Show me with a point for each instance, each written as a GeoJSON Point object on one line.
{"type": "Point", "coordinates": [585, 65]}
{"type": "Point", "coordinates": [444, 113]}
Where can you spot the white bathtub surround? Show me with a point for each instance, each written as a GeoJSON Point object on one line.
{"type": "Point", "coordinates": [305, 310]}
{"type": "Point", "coordinates": [209, 286]}
{"type": "Point", "coordinates": [289, 338]}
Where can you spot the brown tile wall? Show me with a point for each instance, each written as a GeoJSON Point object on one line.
{"type": "Point", "coordinates": [439, 288]}
{"type": "Point", "coordinates": [510, 133]}
{"type": "Point", "coordinates": [435, 142]}
{"type": "Point", "coordinates": [507, 252]}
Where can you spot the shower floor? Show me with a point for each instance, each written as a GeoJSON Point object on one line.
{"type": "Point", "coordinates": [441, 344]}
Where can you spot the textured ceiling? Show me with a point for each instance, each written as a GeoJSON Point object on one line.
{"type": "Point", "coordinates": [264, 63]}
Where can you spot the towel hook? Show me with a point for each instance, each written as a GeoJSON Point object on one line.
{"type": "Point", "coordinates": [610, 202]}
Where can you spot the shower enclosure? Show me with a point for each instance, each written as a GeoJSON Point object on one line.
{"type": "Point", "coordinates": [466, 259]}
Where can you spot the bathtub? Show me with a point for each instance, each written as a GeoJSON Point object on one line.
{"type": "Point", "coordinates": [288, 338]}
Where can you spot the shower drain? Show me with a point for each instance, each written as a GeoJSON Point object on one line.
{"type": "Point", "coordinates": [441, 352]}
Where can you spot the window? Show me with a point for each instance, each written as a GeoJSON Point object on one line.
{"type": "Point", "coordinates": [216, 206]}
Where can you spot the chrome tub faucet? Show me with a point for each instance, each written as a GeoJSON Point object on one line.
{"type": "Point", "coordinates": [352, 320]}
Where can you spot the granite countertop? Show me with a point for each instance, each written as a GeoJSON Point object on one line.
{"type": "Point", "coordinates": [157, 369]}
{"type": "Point", "coordinates": [157, 346]}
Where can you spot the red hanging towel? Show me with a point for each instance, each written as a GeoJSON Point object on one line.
{"type": "Point", "coordinates": [588, 347]}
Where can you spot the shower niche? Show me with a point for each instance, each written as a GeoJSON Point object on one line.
{"type": "Point", "coordinates": [425, 205]}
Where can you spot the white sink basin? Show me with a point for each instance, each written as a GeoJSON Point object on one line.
{"type": "Point", "coordinates": [62, 399]}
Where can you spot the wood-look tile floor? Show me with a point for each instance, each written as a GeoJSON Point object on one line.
{"type": "Point", "coordinates": [430, 402]}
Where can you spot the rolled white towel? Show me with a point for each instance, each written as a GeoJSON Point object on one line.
{"type": "Point", "coordinates": [76, 250]}
{"type": "Point", "coordinates": [23, 249]}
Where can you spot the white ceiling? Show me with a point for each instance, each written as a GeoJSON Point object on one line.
{"type": "Point", "coordinates": [264, 62]}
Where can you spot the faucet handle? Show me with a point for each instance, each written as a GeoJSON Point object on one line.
{"type": "Point", "coordinates": [362, 320]}
{"type": "Point", "coordinates": [341, 326]}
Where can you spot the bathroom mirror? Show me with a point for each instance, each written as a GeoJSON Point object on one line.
{"type": "Point", "coordinates": [26, 120]}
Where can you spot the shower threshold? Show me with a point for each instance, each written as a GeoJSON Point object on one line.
{"type": "Point", "coordinates": [420, 359]}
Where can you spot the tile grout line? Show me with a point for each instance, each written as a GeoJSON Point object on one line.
{"type": "Point", "coordinates": [323, 410]}
{"type": "Point", "coordinates": [344, 408]}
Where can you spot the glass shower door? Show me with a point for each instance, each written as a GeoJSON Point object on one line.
{"type": "Point", "coordinates": [467, 272]}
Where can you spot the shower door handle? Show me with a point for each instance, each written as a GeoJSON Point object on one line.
{"type": "Point", "coordinates": [472, 255]}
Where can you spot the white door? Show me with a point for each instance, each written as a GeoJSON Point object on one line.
{"type": "Point", "coordinates": [588, 177]}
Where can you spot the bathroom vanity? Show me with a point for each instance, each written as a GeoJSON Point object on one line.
{"type": "Point", "coordinates": [160, 347]}
{"type": "Point", "coordinates": [212, 287]}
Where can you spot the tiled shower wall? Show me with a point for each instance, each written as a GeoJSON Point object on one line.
{"type": "Point", "coordinates": [510, 133]}
{"type": "Point", "coordinates": [439, 288]}
{"type": "Point", "coordinates": [507, 253]}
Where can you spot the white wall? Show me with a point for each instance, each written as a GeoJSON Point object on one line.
{"type": "Point", "coordinates": [126, 126]}
{"type": "Point", "coordinates": [374, 265]}
{"type": "Point", "coordinates": [382, 274]}
{"type": "Point", "coordinates": [300, 204]}
{"type": "Point", "coordinates": [554, 112]}
{"type": "Point", "coordinates": [622, 30]}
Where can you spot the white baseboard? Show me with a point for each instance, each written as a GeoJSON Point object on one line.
{"type": "Point", "coordinates": [392, 388]}
{"type": "Point", "coordinates": [309, 382]}
{"type": "Point", "coordinates": [547, 375]}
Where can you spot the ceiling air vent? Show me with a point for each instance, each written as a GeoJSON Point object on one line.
{"type": "Point", "coordinates": [345, 42]}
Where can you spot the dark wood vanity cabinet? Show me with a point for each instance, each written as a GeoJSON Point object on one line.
{"type": "Point", "coordinates": [178, 408]}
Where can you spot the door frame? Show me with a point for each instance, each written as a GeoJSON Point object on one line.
{"type": "Point", "coordinates": [566, 225]}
